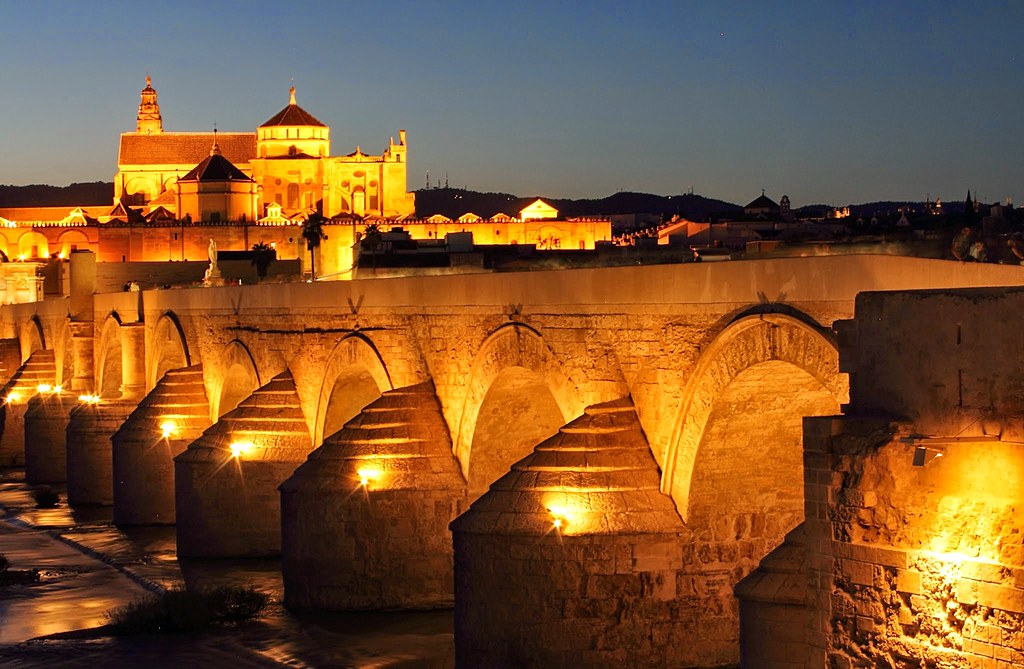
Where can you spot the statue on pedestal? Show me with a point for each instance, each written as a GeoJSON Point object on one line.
{"type": "Point", "coordinates": [212, 272]}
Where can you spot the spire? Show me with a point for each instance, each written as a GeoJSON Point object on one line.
{"type": "Point", "coordinates": [291, 95]}
{"type": "Point", "coordinates": [215, 149]}
{"type": "Point", "coordinates": [149, 121]}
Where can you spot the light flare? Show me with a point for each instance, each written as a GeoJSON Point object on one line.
{"type": "Point", "coordinates": [240, 448]}
{"type": "Point", "coordinates": [368, 475]}
{"type": "Point", "coordinates": [168, 429]}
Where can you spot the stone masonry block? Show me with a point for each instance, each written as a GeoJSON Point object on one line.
{"type": "Point", "coordinates": [982, 571]}
{"type": "Point", "coordinates": [908, 581]}
{"type": "Point", "coordinates": [998, 597]}
{"type": "Point", "coordinates": [859, 573]}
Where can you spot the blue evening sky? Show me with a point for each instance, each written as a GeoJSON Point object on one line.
{"type": "Point", "coordinates": [826, 102]}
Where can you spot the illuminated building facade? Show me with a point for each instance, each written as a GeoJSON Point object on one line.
{"type": "Point", "coordinates": [288, 158]}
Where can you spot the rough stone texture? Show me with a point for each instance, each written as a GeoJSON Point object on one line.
{"type": "Point", "coordinates": [39, 368]}
{"type": "Point", "coordinates": [384, 544]}
{"type": "Point", "coordinates": [143, 459]}
{"type": "Point", "coordinates": [89, 451]}
{"type": "Point", "coordinates": [46, 422]}
{"type": "Point", "coordinates": [774, 610]}
{"type": "Point", "coordinates": [917, 566]}
{"type": "Point", "coordinates": [928, 563]}
{"type": "Point", "coordinates": [958, 375]}
{"type": "Point", "coordinates": [10, 358]}
{"type": "Point", "coordinates": [600, 589]}
{"type": "Point", "coordinates": [228, 506]}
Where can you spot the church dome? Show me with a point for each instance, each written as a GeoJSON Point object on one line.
{"type": "Point", "coordinates": [292, 115]}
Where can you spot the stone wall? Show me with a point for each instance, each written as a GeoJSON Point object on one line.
{"type": "Point", "coordinates": [918, 561]}
{"type": "Point", "coordinates": [927, 564]}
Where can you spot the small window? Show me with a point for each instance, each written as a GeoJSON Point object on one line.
{"type": "Point", "coordinates": [215, 217]}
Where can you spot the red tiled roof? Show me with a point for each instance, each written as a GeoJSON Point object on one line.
{"type": "Point", "coordinates": [293, 115]}
{"type": "Point", "coordinates": [215, 168]}
{"type": "Point", "coordinates": [189, 148]}
{"type": "Point", "coordinates": [44, 213]}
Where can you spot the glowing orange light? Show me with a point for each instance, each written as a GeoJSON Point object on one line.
{"type": "Point", "coordinates": [22, 257]}
{"type": "Point", "coordinates": [239, 448]}
{"type": "Point", "coordinates": [44, 388]}
{"type": "Point", "coordinates": [89, 399]}
{"type": "Point", "coordinates": [168, 428]}
{"type": "Point", "coordinates": [561, 517]}
{"type": "Point", "coordinates": [12, 396]}
{"type": "Point", "coordinates": [58, 389]}
{"type": "Point", "coordinates": [367, 475]}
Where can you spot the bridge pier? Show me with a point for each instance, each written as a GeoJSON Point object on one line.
{"type": "Point", "coordinates": [364, 520]}
{"type": "Point", "coordinates": [39, 369]}
{"type": "Point", "coordinates": [172, 416]}
{"type": "Point", "coordinates": [46, 422]}
{"type": "Point", "coordinates": [89, 453]}
{"type": "Point", "coordinates": [574, 557]}
{"type": "Point", "coordinates": [225, 483]}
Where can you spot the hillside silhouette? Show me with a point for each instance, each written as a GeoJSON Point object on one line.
{"type": "Point", "coordinates": [454, 202]}
{"type": "Point", "coordinates": [75, 195]}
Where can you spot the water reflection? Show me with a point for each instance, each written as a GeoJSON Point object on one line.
{"type": "Point", "coordinates": [76, 591]}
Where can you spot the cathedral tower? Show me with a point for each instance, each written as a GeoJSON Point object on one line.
{"type": "Point", "coordinates": [149, 121]}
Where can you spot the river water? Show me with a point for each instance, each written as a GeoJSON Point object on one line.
{"type": "Point", "coordinates": [89, 567]}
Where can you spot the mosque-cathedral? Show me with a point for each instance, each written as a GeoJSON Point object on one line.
{"type": "Point", "coordinates": [175, 191]}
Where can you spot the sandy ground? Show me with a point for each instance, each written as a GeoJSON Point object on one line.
{"type": "Point", "coordinates": [89, 567]}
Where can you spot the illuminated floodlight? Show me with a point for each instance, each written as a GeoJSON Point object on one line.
{"type": "Point", "coordinates": [44, 388]}
{"type": "Point", "coordinates": [561, 517]}
{"type": "Point", "coordinates": [89, 399]}
{"type": "Point", "coordinates": [57, 389]}
{"type": "Point", "coordinates": [368, 475]}
{"type": "Point", "coordinates": [168, 428]}
{"type": "Point", "coordinates": [239, 448]}
{"type": "Point", "coordinates": [12, 397]}
{"type": "Point", "coordinates": [924, 455]}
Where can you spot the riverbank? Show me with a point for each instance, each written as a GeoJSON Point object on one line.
{"type": "Point", "coordinates": [88, 567]}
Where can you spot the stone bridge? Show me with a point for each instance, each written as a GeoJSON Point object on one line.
{"type": "Point", "coordinates": [617, 447]}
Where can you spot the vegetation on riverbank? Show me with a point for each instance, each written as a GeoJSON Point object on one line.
{"type": "Point", "coordinates": [181, 610]}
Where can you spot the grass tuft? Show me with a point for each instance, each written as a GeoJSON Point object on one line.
{"type": "Point", "coordinates": [189, 610]}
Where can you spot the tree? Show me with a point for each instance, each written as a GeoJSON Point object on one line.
{"type": "Point", "coordinates": [263, 255]}
{"type": "Point", "coordinates": [313, 233]}
{"type": "Point", "coordinates": [371, 242]}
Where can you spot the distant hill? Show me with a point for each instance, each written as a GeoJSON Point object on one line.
{"type": "Point", "coordinates": [454, 202]}
{"type": "Point", "coordinates": [38, 195]}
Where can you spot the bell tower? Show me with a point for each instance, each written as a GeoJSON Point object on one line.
{"type": "Point", "coordinates": [149, 121]}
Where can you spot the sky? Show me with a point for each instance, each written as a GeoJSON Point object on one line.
{"type": "Point", "coordinates": [832, 103]}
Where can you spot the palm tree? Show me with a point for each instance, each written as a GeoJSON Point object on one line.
{"type": "Point", "coordinates": [371, 242]}
{"type": "Point", "coordinates": [313, 233]}
{"type": "Point", "coordinates": [263, 255]}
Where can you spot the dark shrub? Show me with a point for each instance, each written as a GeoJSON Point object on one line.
{"type": "Point", "coordinates": [45, 498]}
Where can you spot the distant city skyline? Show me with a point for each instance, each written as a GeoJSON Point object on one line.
{"type": "Point", "coordinates": [832, 104]}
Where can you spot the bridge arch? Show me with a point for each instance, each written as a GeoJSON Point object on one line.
{"type": "Point", "coordinates": [64, 354]}
{"type": "Point", "coordinates": [239, 378]}
{"type": "Point", "coordinates": [517, 395]}
{"type": "Point", "coordinates": [354, 377]}
{"type": "Point", "coordinates": [169, 348]}
{"type": "Point", "coordinates": [31, 337]}
{"type": "Point", "coordinates": [108, 361]}
{"type": "Point", "coordinates": [772, 354]}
